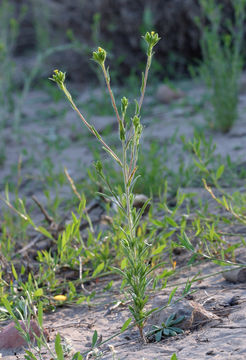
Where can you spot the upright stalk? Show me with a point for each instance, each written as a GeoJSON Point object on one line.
{"type": "Point", "coordinates": [128, 205]}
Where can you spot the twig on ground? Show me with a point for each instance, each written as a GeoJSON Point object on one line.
{"type": "Point", "coordinates": [29, 245]}
{"type": "Point", "coordinates": [48, 218]}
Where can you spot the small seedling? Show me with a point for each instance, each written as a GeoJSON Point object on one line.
{"type": "Point", "coordinates": [167, 328]}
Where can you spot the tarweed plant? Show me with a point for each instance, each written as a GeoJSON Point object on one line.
{"type": "Point", "coordinates": [136, 273]}
{"type": "Point", "coordinates": [221, 45]}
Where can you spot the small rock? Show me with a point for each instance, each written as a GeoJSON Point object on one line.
{"type": "Point", "coordinates": [210, 352]}
{"type": "Point", "coordinates": [43, 244]}
{"type": "Point", "coordinates": [10, 338]}
{"type": "Point", "coordinates": [194, 314]}
{"type": "Point", "coordinates": [166, 95]}
{"type": "Point", "coordinates": [235, 275]}
{"type": "Point", "coordinates": [139, 201]}
{"type": "Point", "coordinates": [234, 300]}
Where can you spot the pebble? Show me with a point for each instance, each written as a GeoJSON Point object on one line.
{"type": "Point", "coordinates": [167, 95]}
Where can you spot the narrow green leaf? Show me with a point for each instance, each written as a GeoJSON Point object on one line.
{"type": "Point", "coordinates": [40, 314]}
{"type": "Point", "coordinates": [171, 295]}
{"type": "Point", "coordinates": [166, 332]}
{"type": "Point", "coordinates": [118, 271]}
{"type": "Point", "coordinates": [140, 213]}
{"type": "Point", "coordinates": [178, 320]}
{"type": "Point", "coordinates": [157, 222]}
{"type": "Point", "coordinates": [170, 320]}
{"type": "Point", "coordinates": [58, 348]}
{"type": "Point", "coordinates": [225, 203]}
{"type": "Point", "coordinates": [134, 182]}
{"type": "Point", "coordinates": [96, 132]}
{"type": "Point", "coordinates": [126, 324]}
{"type": "Point", "coordinates": [30, 355]}
{"type": "Point", "coordinates": [186, 242]}
{"type": "Point", "coordinates": [220, 262]}
{"type": "Point", "coordinates": [7, 306]}
{"type": "Point", "coordinates": [81, 299]}
{"type": "Point", "coordinates": [172, 332]}
{"type": "Point", "coordinates": [77, 356]}
{"type": "Point", "coordinates": [136, 107]}
{"type": "Point", "coordinates": [114, 156]}
{"type": "Point", "coordinates": [158, 336]}
{"type": "Point", "coordinates": [171, 221]}
{"type": "Point", "coordinates": [158, 250]}
{"type": "Point", "coordinates": [150, 311]}
{"type": "Point", "coordinates": [98, 269]}
{"type": "Point", "coordinates": [156, 267]}
{"type": "Point", "coordinates": [192, 259]}
{"type": "Point", "coordinates": [177, 330]}
{"type": "Point", "coordinates": [45, 232]}
{"type": "Point", "coordinates": [94, 339]}
{"type": "Point", "coordinates": [14, 272]}
{"type": "Point", "coordinates": [200, 166]}
{"type": "Point", "coordinates": [220, 171]}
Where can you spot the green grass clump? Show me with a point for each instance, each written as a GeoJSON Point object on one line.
{"type": "Point", "coordinates": [222, 60]}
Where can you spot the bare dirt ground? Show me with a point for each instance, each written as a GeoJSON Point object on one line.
{"type": "Point", "coordinates": [47, 144]}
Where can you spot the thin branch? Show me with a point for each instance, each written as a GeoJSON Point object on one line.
{"type": "Point", "coordinates": [111, 94]}
{"type": "Point", "coordinates": [48, 218]}
{"type": "Point", "coordinates": [72, 184]}
{"type": "Point", "coordinates": [145, 81]}
{"type": "Point", "coordinates": [90, 128]}
{"type": "Point", "coordinates": [29, 245]}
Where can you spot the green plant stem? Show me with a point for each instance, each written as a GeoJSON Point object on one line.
{"type": "Point", "coordinates": [90, 128]}
{"type": "Point", "coordinates": [106, 76]}
{"type": "Point", "coordinates": [145, 81]}
{"type": "Point", "coordinates": [132, 247]}
{"type": "Point", "coordinates": [128, 205]}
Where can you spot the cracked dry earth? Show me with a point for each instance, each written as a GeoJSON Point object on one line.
{"type": "Point", "coordinates": [222, 336]}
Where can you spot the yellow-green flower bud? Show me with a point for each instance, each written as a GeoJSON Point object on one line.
{"type": "Point", "coordinates": [124, 105]}
{"type": "Point", "coordinates": [151, 39]}
{"type": "Point", "coordinates": [58, 77]}
{"type": "Point", "coordinates": [98, 166]}
{"type": "Point", "coordinates": [99, 56]}
{"type": "Point", "coordinates": [136, 121]}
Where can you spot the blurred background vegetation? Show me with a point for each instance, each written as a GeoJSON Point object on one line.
{"type": "Point", "coordinates": [72, 29]}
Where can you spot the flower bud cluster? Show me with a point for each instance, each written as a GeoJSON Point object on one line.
{"type": "Point", "coordinates": [99, 56]}
{"type": "Point", "coordinates": [124, 105]}
{"type": "Point", "coordinates": [58, 77]}
{"type": "Point", "coordinates": [151, 38]}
